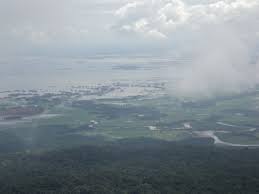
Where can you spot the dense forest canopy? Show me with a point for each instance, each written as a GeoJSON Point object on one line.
{"type": "Point", "coordinates": [140, 166]}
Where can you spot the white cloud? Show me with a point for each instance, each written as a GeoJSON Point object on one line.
{"type": "Point", "coordinates": [166, 16]}
{"type": "Point", "coordinates": [123, 11]}
{"type": "Point", "coordinates": [173, 13]}
{"type": "Point", "coordinates": [27, 24]}
{"type": "Point", "coordinates": [220, 36]}
{"type": "Point", "coordinates": [156, 34]}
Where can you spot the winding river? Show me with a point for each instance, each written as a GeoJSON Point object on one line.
{"type": "Point", "coordinates": [217, 141]}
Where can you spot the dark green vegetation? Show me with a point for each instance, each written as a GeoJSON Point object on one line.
{"type": "Point", "coordinates": [10, 143]}
{"type": "Point", "coordinates": [134, 166]}
{"type": "Point", "coordinates": [128, 145]}
{"type": "Point", "coordinates": [70, 119]}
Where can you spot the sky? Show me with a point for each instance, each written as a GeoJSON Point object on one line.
{"type": "Point", "coordinates": [45, 27]}
{"type": "Point", "coordinates": [220, 36]}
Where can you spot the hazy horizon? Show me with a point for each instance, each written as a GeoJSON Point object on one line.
{"type": "Point", "coordinates": [220, 37]}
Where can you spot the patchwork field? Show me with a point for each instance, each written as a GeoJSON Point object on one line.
{"type": "Point", "coordinates": [67, 119]}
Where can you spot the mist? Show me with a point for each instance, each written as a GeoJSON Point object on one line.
{"type": "Point", "coordinates": [221, 64]}
{"type": "Point", "coordinates": [219, 37]}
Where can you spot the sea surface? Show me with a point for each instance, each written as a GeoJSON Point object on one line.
{"type": "Point", "coordinates": [63, 73]}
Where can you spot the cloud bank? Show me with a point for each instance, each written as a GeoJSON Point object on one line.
{"type": "Point", "coordinates": [221, 37]}
{"type": "Point", "coordinates": [166, 16]}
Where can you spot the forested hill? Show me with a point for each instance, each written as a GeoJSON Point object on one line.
{"type": "Point", "coordinates": [140, 166]}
